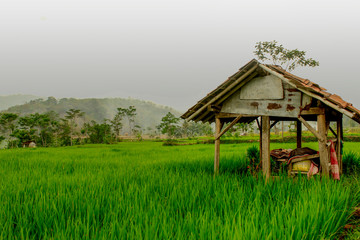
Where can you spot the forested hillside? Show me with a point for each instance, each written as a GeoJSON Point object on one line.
{"type": "Point", "coordinates": [149, 114]}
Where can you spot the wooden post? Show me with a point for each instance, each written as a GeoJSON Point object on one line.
{"type": "Point", "coordinates": [260, 140]}
{"type": "Point", "coordinates": [298, 133]}
{"type": "Point", "coordinates": [218, 126]}
{"type": "Point", "coordinates": [323, 150]}
{"type": "Point", "coordinates": [327, 128]}
{"type": "Point", "coordinates": [265, 146]}
{"type": "Point", "coordinates": [339, 134]}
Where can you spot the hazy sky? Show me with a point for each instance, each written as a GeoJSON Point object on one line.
{"type": "Point", "coordinates": [169, 52]}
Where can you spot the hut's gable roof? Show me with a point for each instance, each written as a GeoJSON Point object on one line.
{"type": "Point", "coordinates": [202, 111]}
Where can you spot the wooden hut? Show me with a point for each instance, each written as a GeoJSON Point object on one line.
{"type": "Point", "coordinates": [29, 144]}
{"type": "Point", "coordinates": [268, 94]}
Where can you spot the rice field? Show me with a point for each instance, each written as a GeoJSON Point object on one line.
{"type": "Point", "coordinates": [143, 190]}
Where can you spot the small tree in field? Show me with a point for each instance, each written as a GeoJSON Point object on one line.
{"type": "Point", "coordinates": [288, 59]}
{"type": "Point", "coordinates": [116, 122]}
{"type": "Point", "coordinates": [73, 115]}
{"type": "Point", "coordinates": [169, 125]}
{"type": "Point", "coordinates": [99, 132]}
{"type": "Point", "coordinates": [130, 114]}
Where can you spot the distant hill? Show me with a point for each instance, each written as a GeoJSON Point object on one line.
{"type": "Point", "coordinates": [12, 100]}
{"type": "Point", "coordinates": [149, 114]}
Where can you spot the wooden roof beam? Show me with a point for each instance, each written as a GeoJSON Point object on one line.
{"type": "Point", "coordinates": [214, 108]}
{"type": "Point", "coordinates": [311, 129]}
{"type": "Point", "coordinates": [233, 115]}
{"type": "Point", "coordinates": [208, 118]}
{"type": "Point", "coordinates": [202, 115]}
{"type": "Point", "coordinates": [258, 123]}
{"type": "Point", "coordinates": [228, 127]}
{"type": "Point", "coordinates": [274, 123]}
{"type": "Point", "coordinates": [237, 87]}
{"type": "Point", "coordinates": [231, 86]}
{"type": "Point", "coordinates": [313, 111]}
{"type": "Point", "coordinates": [333, 132]}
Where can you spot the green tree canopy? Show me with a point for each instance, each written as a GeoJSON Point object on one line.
{"type": "Point", "coordinates": [8, 121]}
{"type": "Point", "coordinates": [278, 55]}
{"type": "Point", "coordinates": [130, 114]}
{"type": "Point", "coordinates": [168, 124]}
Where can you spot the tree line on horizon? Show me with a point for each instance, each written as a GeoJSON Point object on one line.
{"type": "Point", "coordinates": [49, 129]}
{"type": "Point", "coordinates": [148, 114]}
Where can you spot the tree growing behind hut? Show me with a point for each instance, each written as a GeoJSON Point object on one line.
{"type": "Point", "coordinates": [279, 55]}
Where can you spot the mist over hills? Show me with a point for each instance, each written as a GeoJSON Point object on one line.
{"type": "Point", "coordinates": [12, 100]}
{"type": "Point", "coordinates": [149, 114]}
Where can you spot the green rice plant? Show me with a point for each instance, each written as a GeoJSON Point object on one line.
{"type": "Point", "coordinates": [253, 157]}
{"type": "Point", "coordinates": [351, 162]}
{"type": "Point", "coordinates": [149, 191]}
{"type": "Point", "coordinates": [253, 153]}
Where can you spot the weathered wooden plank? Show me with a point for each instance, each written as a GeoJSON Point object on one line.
{"type": "Point", "coordinates": [228, 127]}
{"type": "Point", "coordinates": [258, 124]}
{"type": "Point", "coordinates": [327, 126]}
{"type": "Point", "coordinates": [298, 134]}
{"type": "Point", "coordinates": [274, 123]}
{"type": "Point", "coordinates": [260, 140]}
{"type": "Point", "coordinates": [313, 111]}
{"type": "Point", "coordinates": [229, 88]}
{"type": "Point", "coordinates": [218, 126]}
{"type": "Point", "coordinates": [265, 125]}
{"type": "Point", "coordinates": [311, 129]}
{"type": "Point", "coordinates": [214, 108]}
{"type": "Point", "coordinates": [283, 119]}
{"type": "Point", "coordinates": [323, 150]}
{"type": "Point", "coordinates": [338, 143]}
{"type": "Point", "coordinates": [202, 116]}
{"type": "Point", "coordinates": [227, 115]}
{"type": "Point", "coordinates": [209, 118]}
{"type": "Point", "coordinates": [333, 132]}
{"type": "Point", "coordinates": [233, 115]}
{"type": "Point", "coordinates": [342, 139]}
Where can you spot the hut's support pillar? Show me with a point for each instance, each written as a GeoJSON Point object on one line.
{"type": "Point", "coordinates": [260, 140]}
{"type": "Point", "coordinates": [265, 145]}
{"type": "Point", "coordinates": [218, 126]}
{"type": "Point", "coordinates": [339, 133]}
{"type": "Point", "coordinates": [323, 150]}
{"type": "Point", "coordinates": [298, 133]}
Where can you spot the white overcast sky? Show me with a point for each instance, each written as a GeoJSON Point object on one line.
{"type": "Point", "coordinates": [168, 52]}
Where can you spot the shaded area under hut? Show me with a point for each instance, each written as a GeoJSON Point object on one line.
{"type": "Point", "coordinates": [268, 94]}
